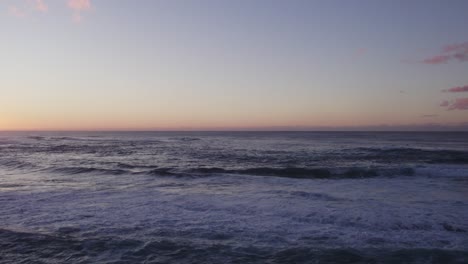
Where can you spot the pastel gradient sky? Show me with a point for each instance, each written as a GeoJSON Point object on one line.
{"type": "Point", "coordinates": [244, 64]}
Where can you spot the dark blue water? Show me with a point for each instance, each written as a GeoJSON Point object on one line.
{"type": "Point", "coordinates": [233, 197]}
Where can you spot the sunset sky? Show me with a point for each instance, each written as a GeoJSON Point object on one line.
{"type": "Point", "coordinates": [247, 64]}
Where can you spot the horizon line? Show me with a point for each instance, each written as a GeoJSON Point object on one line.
{"type": "Point", "coordinates": [243, 130]}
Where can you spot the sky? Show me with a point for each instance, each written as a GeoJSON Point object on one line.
{"type": "Point", "coordinates": [233, 65]}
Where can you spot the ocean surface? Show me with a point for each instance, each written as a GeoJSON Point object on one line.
{"type": "Point", "coordinates": [233, 197]}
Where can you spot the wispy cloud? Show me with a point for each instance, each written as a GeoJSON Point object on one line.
{"type": "Point", "coordinates": [41, 5]}
{"type": "Point", "coordinates": [26, 7]}
{"type": "Point", "coordinates": [428, 116]}
{"type": "Point", "coordinates": [360, 52]}
{"type": "Point", "coordinates": [456, 47]}
{"type": "Point", "coordinates": [457, 89]}
{"type": "Point", "coordinates": [461, 56]}
{"type": "Point", "coordinates": [457, 52]}
{"type": "Point", "coordinates": [16, 12]}
{"type": "Point", "coordinates": [457, 104]}
{"type": "Point", "coordinates": [78, 6]}
{"type": "Point", "coordinates": [438, 59]}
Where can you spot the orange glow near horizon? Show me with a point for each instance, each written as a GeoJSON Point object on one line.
{"type": "Point", "coordinates": [109, 123]}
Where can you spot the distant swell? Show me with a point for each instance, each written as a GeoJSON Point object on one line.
{"type": "Point", "coordinates": [297, 173]}
{"type": "Point", "coordinates": [16, 164]}
{"type": "Point", "coordinates": [82, 170]}
{"type": "Point", "coordinates": [413, 155]}
{"type": "Point", "coordinates": [313, 173]}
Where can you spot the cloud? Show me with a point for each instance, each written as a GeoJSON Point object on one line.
{"type": "Point", "coordinates": [456, 47]}
{"type": "Point", "coordinates": [438, 59]}
{"type": "Point", "coordinates": [457, 104]}
{"type": "Point", "coordinates": [79, 6]}
{"type": "Point", "coordinates": [460, 104]}
{"type": "Point", "coordinates": [457, 89]}
{"type": "Point", "coordinates": [77, 17]}
{"type": "Point", "coordinates": [428, 116]}
{"type": "Point", "coordinates": [461, 56]}
{"type": "Point", "coordinates": [16, 12]}
{"type": "Point", "coordinates": [26, 7]}
{"type": "Point", "coordinates": [40, 5]}
{"type": "Point", "coordinates": [361, 51]}
{"type": "Point", "coordinates": [458, 52]}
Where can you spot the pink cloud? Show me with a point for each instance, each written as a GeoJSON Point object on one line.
{"type": "Point", "coordinates": [41, 6]}
{"type": "Point", "coordinates": [79, 6]}
{"type": "Point", "coordinates": [457, 89]}
{"type": "Point", "coordinates": [428, 116]}
{"type": "Point", "coordinates": [456, 47]}
{"type": "Point", "coordinates": [461, 56]}
{"type": "Point", "coordinates": [77, 17]}
{"type": "Point", "coordinates": [450, 52]}
{"type": "Point", "coordinates": [361, 51]}
{"type": "Point", "coordinates": [444, 103]}
{"type": "Point", "coordinates": [26, 8]}
{"type": "Point", "coordinates": [438, 59]}
{"type": "Point", "coordinates": [16, 12]}
{"type": "Point", "coordinates": [457, 104]}
{"type": "Point", "coordinates": [460, 104]}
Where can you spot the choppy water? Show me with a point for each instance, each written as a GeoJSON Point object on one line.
{"type": "Point", "coordinates": [234, 197]}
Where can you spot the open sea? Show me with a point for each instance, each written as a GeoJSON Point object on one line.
{"type": "Point", "coordinates": [233, 197]}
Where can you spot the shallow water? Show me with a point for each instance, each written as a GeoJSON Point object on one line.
{"type": "Point", "coordinates": [234, 197]}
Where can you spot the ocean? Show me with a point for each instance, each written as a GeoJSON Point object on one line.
{"type": "Point", "coordinates": [233, 197]}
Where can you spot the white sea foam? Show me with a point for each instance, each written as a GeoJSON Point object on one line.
{"type": "Point", "coordinates": [416, 212]}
